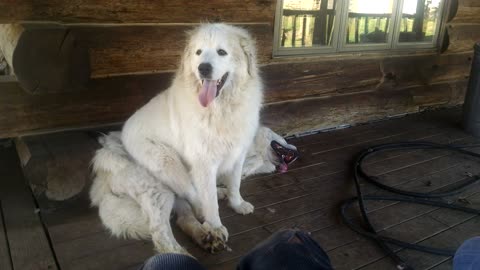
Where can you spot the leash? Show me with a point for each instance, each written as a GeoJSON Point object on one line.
{"type": "Point", "coordinates": [399, 195]}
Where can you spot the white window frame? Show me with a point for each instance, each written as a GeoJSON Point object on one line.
{"type": "Point", "coordinates": [339, 44]}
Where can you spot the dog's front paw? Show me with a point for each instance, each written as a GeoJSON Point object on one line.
{"type": "Point", "coordinates": [243, 208]}
{"type": "Point", "coordinates": [212, 239]}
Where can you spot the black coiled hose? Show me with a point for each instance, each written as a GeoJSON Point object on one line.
{"type": "Point", "coordinates": [399, 195]}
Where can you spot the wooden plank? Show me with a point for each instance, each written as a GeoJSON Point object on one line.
{"type": "Point", "coordinates": [91, 245]}
{"type": "Point", "coordinates": [468, 3]}
{"type": "Point", "coordinates": [244, 229]}
{"type": "Point", "coordinates": [119, 258]}
{"type": "Point", "coordinates": [120, 50]}
{"type": "Point", "coordinates": [324, 194]}
{"type": "Point", "coordinates": [451, 238]}
{"type": "Point", "coordinates": [113, 100]}
{"type": "Point", "coordinates": [404, 231]}
{"type": "Point", "coordinates": [332, 168]}
{"type": "Point", "coordinates": [446, 170]}
{"type": "Point", "coordinates": [462, 37]}
{"type": "Point", "coordinates": [144, 11]}
{"type": "Point", "coordinates": [340, 76]}
{"type": "Point", "coordinates": [5, 260]}
{"type": "Point", "coordinates": [321, 113]}
{"type": "Point", "coordinates": [467, 14]}
{"type": "Point", "coordinates": [446, 265]}
{"type": "Point", "coordinates": [28, 242]}
{"type": "Point", "coordinates": [59, 164]}
{"type": "Point", "coordinates": [106, 101]}
{"type": "Point", "coordinates": [425, 227]}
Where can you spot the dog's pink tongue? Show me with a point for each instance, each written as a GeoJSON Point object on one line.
{"type": "Point", "coordinates": [283, 167]}
{"type": "Point", "coordinates": [208, 92]}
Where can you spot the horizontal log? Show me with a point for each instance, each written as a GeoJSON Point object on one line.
{"type": "Point", "coordinates": [113, 100]}
{"type": "Point", "coordinates": [45, 59]}
{"type": "Point", "coordinates": [105, 101]}
{"type": "Point", "coordinates": [149, 49]}
{"type": "Point", "coordinates": [462, 37]}
{"type": "Point", "coordinates": [335, 77]}
{"type": "Point", "coordinates": [120, 50]}
{"type": "Point", "coordinates": [294, 117]}
{"type": "Point", "coordinates": [467, 14]}
{"type": "Point", "coordinates": [140, 11]}
{"type": "Point", "coordinates": [469, 3]}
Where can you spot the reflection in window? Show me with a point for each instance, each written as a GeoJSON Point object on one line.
{"type": "Point", "coordinates": [419, 20]}
{"type": "Point", "coordinates": [307, 23]}
{"type": "Point", "coordinates": [368, 21]}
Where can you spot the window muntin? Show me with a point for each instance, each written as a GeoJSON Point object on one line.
{"type": "Point", "coordinates": [368, 23]}
{"type": "Point", "coordinates": [308, 23]}
{"type": "Point", "coordinates": [419, 20]}
{"type": "Point", "coordinates": [320, 26]}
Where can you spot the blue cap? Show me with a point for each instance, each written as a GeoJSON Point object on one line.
{"type": "Point", "coordinates": [467, 256]}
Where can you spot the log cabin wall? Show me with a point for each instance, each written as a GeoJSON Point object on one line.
{"type": "Point", "coordinates": [84, 63]}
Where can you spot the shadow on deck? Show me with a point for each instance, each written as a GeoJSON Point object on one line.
{"type": "Point", "coordinates": [37, 233]}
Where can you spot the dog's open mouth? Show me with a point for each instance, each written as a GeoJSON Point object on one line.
{"type": "Point", "coordinates": [285, 155]}
{"type": "Point", "coordinates": [211, 89]}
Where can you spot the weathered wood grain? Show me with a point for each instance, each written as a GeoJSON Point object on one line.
{"type": "Point", "coordinates": [336, 77]}
{"type": "Point", "coordinates": [319, 113]}
{"type": "Point", "coordinates": [120, 50]}
{"type": "Point", "coordinates": [111, 100]}
{"type": "Point", "coordinates": [144, 11]}
{"type": "Point", "coordinates": [28, 243]}
{"type": "Point", "coordinates": [462, 37]}
{"type": "Point", "coordinates": [117, 50]}
{"type": "Point", "coordinates": [51, 171]}
{"type": "Point", "coordinates": [467, 14]}
{"type": "Point", "coordinates": [75, 228]}
{"type": "Point", "coordinates": [45, 59]}
{"type": "Point", "coordinates": [469, 3]}
{"type": "Point", "coordinates": [105, 101]}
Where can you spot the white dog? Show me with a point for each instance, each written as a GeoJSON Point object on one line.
{"type": "Point", "coordinates": [172, 153]}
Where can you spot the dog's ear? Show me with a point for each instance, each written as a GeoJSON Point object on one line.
{"type": "Point", "coordinates": [248, 46]}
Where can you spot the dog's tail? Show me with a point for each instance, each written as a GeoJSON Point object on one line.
{"type": "Point", "coordinates": [120, 214]}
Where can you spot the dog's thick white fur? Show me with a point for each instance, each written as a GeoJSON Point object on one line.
{"type": "Point", "coordinates": [122, 189]}
{"type": "Point", "coordinates": [178, 145]}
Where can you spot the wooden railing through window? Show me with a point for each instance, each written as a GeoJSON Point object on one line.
{"type": "Point", "coordinates": [375, 26]}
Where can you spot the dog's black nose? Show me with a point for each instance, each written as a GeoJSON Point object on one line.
{"type": "Point", "coordinates": [205, 70]}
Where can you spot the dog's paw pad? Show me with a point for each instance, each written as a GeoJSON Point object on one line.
{"type": "Point", "coordinates": [243, 208]}
{"type": "Point", "coordinates": [213, 240]}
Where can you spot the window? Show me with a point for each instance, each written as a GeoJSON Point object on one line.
{"type": "Point", "coordinates": [322, 26]}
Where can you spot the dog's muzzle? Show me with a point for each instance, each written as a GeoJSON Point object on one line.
{"type": "Point", "coordinates": [286, 155]}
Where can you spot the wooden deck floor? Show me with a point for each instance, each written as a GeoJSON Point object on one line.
{"type": "Point", "coordinates": [69, 235]}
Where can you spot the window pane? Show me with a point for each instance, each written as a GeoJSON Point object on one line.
{"type": "Point", "coordinates": [368, 21]}
{"type": "Point", "coordinates": [307, 23]}
{"type": "Point", "coordinates": [419, 20]}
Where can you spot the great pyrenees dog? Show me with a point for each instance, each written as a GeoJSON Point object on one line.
{"type": "Point", "coordinates": [201, 132]}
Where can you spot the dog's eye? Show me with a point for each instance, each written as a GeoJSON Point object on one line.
{"type": "Point", "coordinates": [221, 52]}
{"type": "Point", "coordinates": [198, 52]}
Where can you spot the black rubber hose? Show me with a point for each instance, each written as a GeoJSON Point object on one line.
{"type": "Point", "coordinates": [432, 199]}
